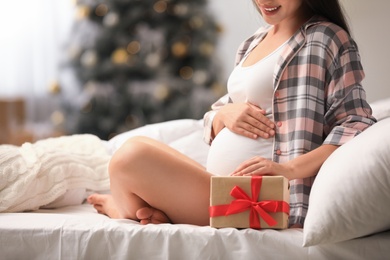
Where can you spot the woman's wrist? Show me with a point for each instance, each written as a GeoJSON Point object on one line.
{"type": "Point", "coordinates": [218, 125]}
{"type": "Point", "coordinates": [289, 170]}
{"type": "Point", "coordinates": [308, 165]}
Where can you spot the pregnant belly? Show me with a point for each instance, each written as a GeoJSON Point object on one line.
{"type": "Point", "coordinates": [229, 150]}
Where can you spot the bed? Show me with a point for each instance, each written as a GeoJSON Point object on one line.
{"type": "Point", "coordinates": [348, 218]}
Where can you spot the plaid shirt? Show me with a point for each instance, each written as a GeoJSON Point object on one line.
{"type": "Point", "coordinates": [318, 97]}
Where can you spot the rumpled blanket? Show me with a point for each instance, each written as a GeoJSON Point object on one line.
{"type": "Point", "coordinates": [36, 174]}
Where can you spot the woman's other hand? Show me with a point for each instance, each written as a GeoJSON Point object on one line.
{"type": "Point", "coordinates": [261, 166]}
{"type": "Point", "coordinates": [245, 119]}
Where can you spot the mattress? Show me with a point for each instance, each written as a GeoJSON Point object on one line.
{"type": "Point", "coordinates": [78, 232]}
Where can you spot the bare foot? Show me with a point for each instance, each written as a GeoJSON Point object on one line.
{"type": "Point", "coordinates": [148, 215]}
{"type": "Point", "coordinates": [104, 204]}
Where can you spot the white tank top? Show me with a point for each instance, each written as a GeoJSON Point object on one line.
{"type": "Point", "coordinates": [253, 84]}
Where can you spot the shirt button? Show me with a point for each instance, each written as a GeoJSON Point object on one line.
{"type": "Point", "coordinates": [277, 94]}
{"type": "Point", "coordinates": [279, 124]}
{"type": "Point", "coordinates": [278, 152]}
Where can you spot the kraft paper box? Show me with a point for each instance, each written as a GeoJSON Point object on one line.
{"type": "Point", "coordinates": [270, 205]}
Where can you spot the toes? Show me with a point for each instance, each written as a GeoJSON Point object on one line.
{"type": "Point", "coordinates": [144, 213]}
{"type": "Point", "coordinates": [98, 202]}
{"type": "Point", "coordinates": [96, 199]}
{"type": "Point", "coordinates": [159, 217]}
{"type": "Point", "coordinates": [144, 221]}
{"type": "Point", "coordinates": [150, 215]}
{"type": "Point", "coordinates": [91, 199]}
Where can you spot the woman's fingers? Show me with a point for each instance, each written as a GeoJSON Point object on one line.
{"type": "Point", "coordinates": [248, 120]}
{"type": "Point", "coordinates": [258, 128]}
{"type": "Point", "coordinates": [252, 131]}
{"type": "Point", "coordinates": [257, 123]}
{"type": "Point", "coordinates": [247, 166]}
{"type": "Point", "coordinates": [257, 166]}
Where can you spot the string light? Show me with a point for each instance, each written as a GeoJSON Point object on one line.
{"type": "Point", "coordinates": [82, 12]}
{"type": "Point", "coordinates": [206, 49]}
{"type": "Point", "coordinates": [181, 9]}
{"type": "Point", "coordinates": [134, 47]}
{"type": "Point", "coordinates": [89, 58]}
{"type": "Point", "coordinates": [101, 10]}
{"type": "Point", "coordinates": [161, 92]}
{"type": "Point", "coordinates": [54, 88]}
{"type": "Point", "coordinates": [111, 19]}
{"type": "Point", "coordinates": [119, 56]}
{"type": "Point", "coordinates": [186, 72]}
{"type": "Point", "coordinates": [160, 6]}
{"type": "Point", "coordinates": [179, 49]}
{"type": "Point", "coordinates": [200, 77]}
{"type": "Point", "coordinates": [153, 60]}
{"type": "Point", "coordinates": [196, 22]}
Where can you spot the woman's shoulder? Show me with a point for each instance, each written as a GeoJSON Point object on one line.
{"type": "Point", "coordinates": [323, 29]}
{"type": "Point", "coordinates": [327, 33]}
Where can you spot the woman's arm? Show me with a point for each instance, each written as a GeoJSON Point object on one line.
{"type": "Point", "coordinates": [308, 165]}
{"type": "Point", "coordinates": [303, 166]}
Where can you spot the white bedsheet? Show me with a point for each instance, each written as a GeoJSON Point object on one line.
{"type": "Point", "coordinates": [78, 232]}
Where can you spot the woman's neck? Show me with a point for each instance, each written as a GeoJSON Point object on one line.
{"type": "Point", "coordinates": [288, 27]}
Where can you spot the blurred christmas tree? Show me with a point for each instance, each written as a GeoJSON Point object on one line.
{"type": "Point", "coordinates": [139, 62]}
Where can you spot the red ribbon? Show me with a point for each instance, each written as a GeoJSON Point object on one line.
{"type": "Point", "coordinates": [257, 209]}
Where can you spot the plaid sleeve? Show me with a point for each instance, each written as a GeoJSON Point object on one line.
{"type": "Point", "coordinates": [348, 112]}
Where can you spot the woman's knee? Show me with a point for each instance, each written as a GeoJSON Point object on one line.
{"type": "Point", "coordinates": [129, 157]}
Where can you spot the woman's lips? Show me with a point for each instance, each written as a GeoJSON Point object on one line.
{"type": "Point", "coordinates": [271, 10]}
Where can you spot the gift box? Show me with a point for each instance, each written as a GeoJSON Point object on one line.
{"type": "Point", "coordinates": [249, 202]}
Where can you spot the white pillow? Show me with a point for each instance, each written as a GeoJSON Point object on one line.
{"type": "Point", "coordinates": [350, 197]}
{"type": "Point", "coordinates": [185, 135]}
{"type": "Point", "coordinates": [381, 108]}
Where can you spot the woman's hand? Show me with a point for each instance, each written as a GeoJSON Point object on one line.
{"type": "Point", "coordinates": [303, 166]}
{"type": "Point", "coordinates": [246, 119]}
{"type": "Point", "coordinates": [261, 166]}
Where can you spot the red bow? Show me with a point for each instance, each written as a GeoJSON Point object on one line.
{"type": "Point", "coordinates": [257, 209]}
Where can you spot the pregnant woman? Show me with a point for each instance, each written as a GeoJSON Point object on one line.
{"type": "Point", "coordinates": [294, 96]}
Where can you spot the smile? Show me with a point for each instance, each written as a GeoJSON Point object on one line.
{"type": "Point", "coordinates": [271, 9]}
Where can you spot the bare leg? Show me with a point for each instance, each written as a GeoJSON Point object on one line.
{"type": "Point", "coordinates": [155, 183]}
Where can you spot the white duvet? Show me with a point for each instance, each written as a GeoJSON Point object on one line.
{"type": "Point", "coordinates": [34, 175]}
